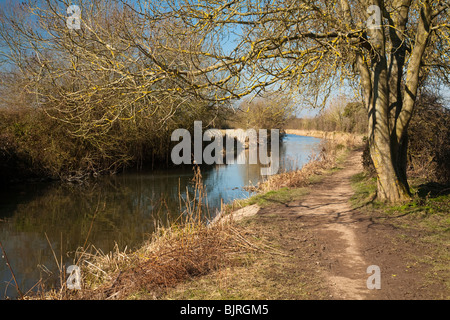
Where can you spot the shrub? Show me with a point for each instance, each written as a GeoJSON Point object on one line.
{"type": "Point", "coordinates": [429, 137]}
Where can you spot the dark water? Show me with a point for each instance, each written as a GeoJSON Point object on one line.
{"type": "Point", "coordinates": [117, 210]}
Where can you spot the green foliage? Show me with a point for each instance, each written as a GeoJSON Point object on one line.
{"type": "Point", "coordinates": [365, 189]}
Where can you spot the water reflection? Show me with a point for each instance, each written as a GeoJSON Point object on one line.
{"type": "Point", "coordinates": [122, 209]}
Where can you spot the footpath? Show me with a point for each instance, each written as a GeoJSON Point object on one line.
{"type": "Point", "coordinates": [355, 254]}
{"type": "Point", "coordinates": [320, 247]}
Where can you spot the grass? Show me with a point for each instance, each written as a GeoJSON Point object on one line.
{"type": "Point", "coordinates": [365, 190]}
{"type": "Point", "coordinates": [271, 272]}
{"type": "Point", "coordinates": [264, 279]}
{"type": "Point", "coordinates": [276, 197]}
{"type": "Point", "coordinates": [428, 206]}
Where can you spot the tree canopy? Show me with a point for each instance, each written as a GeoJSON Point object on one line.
{"type": "Point", "coordinates": [153, 58]}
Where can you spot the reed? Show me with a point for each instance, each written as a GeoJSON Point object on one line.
{"type": "Point", "coordinates": [182, 249]}
{"type": "Point", "coordinates": [186, 248]}
{"type": "Point", "coordinates": [5, 256]}
{"type": "Point", "coordinates": [324, 160]}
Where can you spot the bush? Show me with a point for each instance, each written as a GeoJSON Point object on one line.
{"type": "Point", "coordinates": [36, 146]}
{"type": "Point", "coordinates": [429, 137]}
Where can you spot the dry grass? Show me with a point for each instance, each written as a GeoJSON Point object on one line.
{"type": "Point", "coordinates": [187, 248]}
{"type": "Point", "coordinates": [174, 255]}
{"type": "Point", "coordinates": [325, 160]}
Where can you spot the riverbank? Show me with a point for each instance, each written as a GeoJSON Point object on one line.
{"type": "Point", "coordinates": [320, 242]}
{"type": "Point", "coordinates": [345, 138]}
{"type": "Point", "coordinates": [311, 237]}
{"type": "Point", "coordinates": [177, 242]}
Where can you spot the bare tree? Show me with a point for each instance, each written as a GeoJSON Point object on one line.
{"type": "Point", "coordinates": [388, 47]}
{"type": "Point", "coordinates": [136, 56]}
{"type": "Point", "coordinates": [109, 70]}
{"type": "Point", "coordinates": [97, 81]}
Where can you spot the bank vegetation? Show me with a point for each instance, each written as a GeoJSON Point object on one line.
{"type": "Point", "coordinates": [78, 103]}
{"type": "Point", "coordinates": [188, 247]}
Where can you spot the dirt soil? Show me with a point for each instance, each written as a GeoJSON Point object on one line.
{"type": "Point", "coordinates": [335, 244]}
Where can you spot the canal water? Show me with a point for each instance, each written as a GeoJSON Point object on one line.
{"type": "Point", "coordinates": [40, 220]}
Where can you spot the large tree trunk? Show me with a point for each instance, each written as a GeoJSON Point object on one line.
{"type": "Point", "coordinates": [385, 100]}
{"type": "Point", "coordinates": [392, 183]}
{"type": "Point", "coordinates": [391, 169]}
{"type": "Point", "coordinates": [388, 99]}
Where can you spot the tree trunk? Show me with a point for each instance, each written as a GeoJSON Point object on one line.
{"type": "Point", "coordinates": [389, 158]}
{"type": "Point", "coordinates": [392, 186]}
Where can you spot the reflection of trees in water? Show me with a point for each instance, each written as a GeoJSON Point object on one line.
{"type": "Point", "coordinates": [110, 211]}
{"type": "Point", "coordinates": [122, 209]}
{"type": "Point", "coordinates": [126, 206]}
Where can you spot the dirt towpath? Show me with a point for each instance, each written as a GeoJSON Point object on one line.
{"type": "Point", "coordinates": [330, 240]}
{"type": "Point", "coordinates": [329, 206]}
